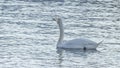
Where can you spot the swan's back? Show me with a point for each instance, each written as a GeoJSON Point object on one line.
{"type": "Point", "coordinates": [79, 43]}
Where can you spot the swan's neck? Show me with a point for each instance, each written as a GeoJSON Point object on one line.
{"type": "Point", "coordinates": [61, 32]}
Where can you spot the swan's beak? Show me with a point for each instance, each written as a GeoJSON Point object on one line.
{"type": "Point", "coordinates": [54, 19]}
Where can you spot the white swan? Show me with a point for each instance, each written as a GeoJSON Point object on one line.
{"type": "Point", "coordinates": [75, 43]}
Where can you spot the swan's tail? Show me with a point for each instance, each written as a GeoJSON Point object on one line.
{"type": "Point", "coordinates": [100, 42]}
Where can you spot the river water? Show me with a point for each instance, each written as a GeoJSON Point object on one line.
{"type": "Point", "coordinates": [28, 35]}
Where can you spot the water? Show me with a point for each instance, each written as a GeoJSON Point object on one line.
{"type": "Point", "coordinates": [28, 36]}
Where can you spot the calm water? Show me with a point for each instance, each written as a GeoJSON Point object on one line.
{"type": "Point", "coordinates": [28, 36]}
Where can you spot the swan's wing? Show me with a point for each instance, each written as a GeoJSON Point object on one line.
{"type": "Point", "coordinates": [80, 43]}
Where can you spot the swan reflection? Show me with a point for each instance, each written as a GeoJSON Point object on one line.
{"type": "Point", "coordinates": [76, 52]}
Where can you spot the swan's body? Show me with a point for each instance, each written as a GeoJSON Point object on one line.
{"type": "Point", "coordinates": [80, 43]}
{"type": "Point", "coordinates": [75, 43]}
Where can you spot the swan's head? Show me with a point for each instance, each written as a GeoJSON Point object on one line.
{"type": "Point", "coordinates": [57, 19]}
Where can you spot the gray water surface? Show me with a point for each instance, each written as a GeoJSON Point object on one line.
{"type": "Point", "coordinates": [28, 36]}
